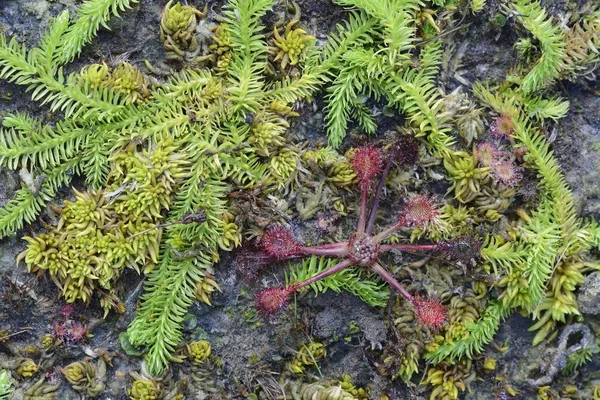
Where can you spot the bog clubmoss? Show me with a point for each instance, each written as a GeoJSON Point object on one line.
{"type": "Point", "coordinates": [162, 159]}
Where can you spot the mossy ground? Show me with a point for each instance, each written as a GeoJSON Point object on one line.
{"type": "Point", "coordinates": [351, 331]}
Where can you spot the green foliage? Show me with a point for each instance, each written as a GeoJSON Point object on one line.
{"type": "Point", "coordinates": [501, 254]}
{"type": "Point", "coordinates": [541, 108]}
{"type": "Point", "coordinates": [381, 67]}
{"type": "Point", "coordinates": [535, 106]}
{"type": "Point", "coordinates": [101, 233]}
{"type": "Point", "coordinates": [552, 42]}
{"type": "Point", "coordinates": [411, 90]}
{"type": "Point", "coordinates": [546, 251]}
{"type": "Point", "coordinates": [342, 94]}
{"type": "Point", "coordinates": [418, 96]}
{"type": "Point", "coordinates": [24, 142]}
{"type": "Point", "coordinates": [290, 48]}
{"type": "Point", "coordinates": [319, 66]}
{"type": "Point", "coordinates": [579, 358]}
{"type": "Point", "coordinates": [509, 101]}
{"type": "Point", "coordinates": [307, 356]}
{"type": "Point", "coordinates": [39, 68]}
{"type": "Point", "coordinates": [465, 175]}
{"type": "Point", "coordinates": [90, 16]}
{"type": "Point", "coordinates": [541, 238]}
{"type": "Point", "coordinates": [163, 311]}
{"type": "Point", "coordinates": [112, 113]}
{"type": "Point", "coordinates": [371, 291]}
{"type": "Point", "coordinates": [5, 385]}
{"type": "Point", "coordinates": [480, 333]}
{"type": "Point", "coordinates": [249, 50]}
{"type": "Point", "coordinates": [477, 6]}
{"type": "Point", "coordinates": [30, 199]}
{"type": "Point", "coordinates": [396, 18]}
{"type": "Point", "coordinates": [178, 31]}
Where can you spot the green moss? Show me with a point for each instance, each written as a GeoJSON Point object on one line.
{"type": "Point", "coordinates": [5, 385]}
{"type": "Point", "coordinates": [160, 158]}
{"type": "Point", "coordinates": [86, 377]}
{"type": "Point", "coordinates": [102, 232]}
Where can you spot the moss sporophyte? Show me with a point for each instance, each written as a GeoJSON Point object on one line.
{"type": "Point", "coordinates": [365, 246]}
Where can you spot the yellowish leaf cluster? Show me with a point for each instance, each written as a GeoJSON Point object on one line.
{"type": "Point", "coordinates": [101, 233]}
{"type": "Point", "coordinates": [86, 377]}
{"type": "Point", "coordinates": [178, 31]}
{"type": "Point", "coordinates": [198, 352]}
{"type": "Point", "coordinates": [289, 48]}
{"type": "Point", "coordinates": [449, 380]}
{"type": "Point", "coordinates": [465, 175]}
{"type": "Point", "coordinates": [308, 355]}
{"type": "Point", "coordinates": [125, 79]}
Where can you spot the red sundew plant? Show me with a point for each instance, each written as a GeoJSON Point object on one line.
{"type": "Point", "coordinates": [486, 153]}
{"type": "Point", "coordinates": [506, 173]}
{"type": "Point", "coordinates": [325, 222]}
{"type": "Point", "coordinates": [69, 330]}
{"type": "Point", "coordinates": [66, 311]}
{"type": "Point", "coordinates": [503, 127]}
{"type": "Point", "coordinates": [78, 332]}
{"type": "Point", "coordinates": [502, 168]}
{"type": "Point", "coordinates": [365, 247]}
